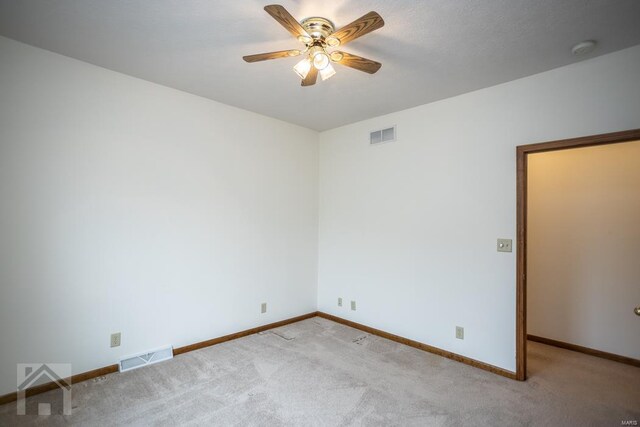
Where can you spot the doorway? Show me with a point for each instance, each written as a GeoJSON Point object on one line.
{"type": "Point", "coordinates": [521, 207]}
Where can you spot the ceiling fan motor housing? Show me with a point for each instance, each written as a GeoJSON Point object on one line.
{"type": "Point", "coordinates": [318, 28]}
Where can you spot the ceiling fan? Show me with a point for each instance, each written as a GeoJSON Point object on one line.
{"type": "Point", "coordinates": [319, 36]}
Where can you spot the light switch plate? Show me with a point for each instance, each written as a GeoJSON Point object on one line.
{"type": "Point", "coordinates": [504, 245]}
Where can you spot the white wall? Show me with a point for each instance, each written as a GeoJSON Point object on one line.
{"type": "Point", "coordinates": [583, 247]}
{"type": "Point", "coordinates": [408, 229]}
{"type": "Point", "coordinates": [128, 206]}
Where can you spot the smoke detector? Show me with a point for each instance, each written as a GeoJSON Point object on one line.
{"type": "Point", "coordinates": [584, 47]}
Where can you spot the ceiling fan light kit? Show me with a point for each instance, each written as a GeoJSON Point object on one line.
{"type": "Point", "coordinates": [318, 34]}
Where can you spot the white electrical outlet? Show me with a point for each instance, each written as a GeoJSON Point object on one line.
{"type": "Point", "coordinates": [460, 332]}
{"type": "Point", "coordinates": [115, 339]}
{"type": "Point", "coordinates": [353, 306]}
{"type": "Point", "coordinates": [263, 308]}
{"type": "Point", "coordinates": [339, 302]}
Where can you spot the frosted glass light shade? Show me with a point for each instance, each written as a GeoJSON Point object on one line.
{"type": "Point", "coordinates": [321, 61]}
{"type": "Point", "coordinates": [327, 72]}
{"type": "Point", "coordinates": [302, 68]}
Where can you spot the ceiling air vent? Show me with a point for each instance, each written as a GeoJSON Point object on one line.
{"type": "Point", "coordinates": [382, 135]}
{"type": "Point", "coordinates": [145, 359]}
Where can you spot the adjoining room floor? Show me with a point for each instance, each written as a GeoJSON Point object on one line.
{"type": "Point", "coordinates": [317, 372]}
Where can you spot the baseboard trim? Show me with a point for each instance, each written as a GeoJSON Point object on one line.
{"type": "Point", "coordinates": [11, 397]}
{"type": "Point", "coordinates": [585, 350]}
{"type": "Point", "coordinates": [421, 346]}
{"type": "Point", "coordinates": [78, 378]}
{"type": "Point", "coordinates": [214, 341]}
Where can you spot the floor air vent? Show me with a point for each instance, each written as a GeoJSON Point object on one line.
{"type": "Point", "coordinates": [382, 135]}
{"type": "Point", "coordinates": [147, 358]}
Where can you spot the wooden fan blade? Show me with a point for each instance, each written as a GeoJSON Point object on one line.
{"type": "Point", "coordinates": [285, 19]}
{"type": "Point", "coordinates": [271, 55]}
{"type": "Point", "coordinates": [358, 28]}
{"type": "Point", "coordinates": [359, 63]}
{"type": "Point", "coordinates": [311, 77]}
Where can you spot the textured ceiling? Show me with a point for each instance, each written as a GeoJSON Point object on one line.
{"type": "Point", "coordinates": [430, 49]}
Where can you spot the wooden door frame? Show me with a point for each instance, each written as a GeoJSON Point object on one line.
{"type": "Point", "coordinates": [522, 152]}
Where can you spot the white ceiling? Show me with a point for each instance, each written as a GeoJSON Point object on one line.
{"type": "Point", "coordinates": [430, 50]}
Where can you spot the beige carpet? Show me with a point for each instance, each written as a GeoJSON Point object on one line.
{"type": "Point", "coordinates": [317, 372]}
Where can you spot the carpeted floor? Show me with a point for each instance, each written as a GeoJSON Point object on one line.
{"type": "Point", "coordinates": [317, 372]}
